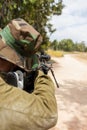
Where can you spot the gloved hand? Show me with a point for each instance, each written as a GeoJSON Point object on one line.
{"type": "Point", "coordinates": [45, 68]}
{"type": "Point", "coordinates": [11, 79]}
{"type": "Point", "coordinates": [29, 81]}
{"type": "Point", "coordinates": [15, 79]}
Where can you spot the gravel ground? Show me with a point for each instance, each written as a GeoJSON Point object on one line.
{"type": "Point", "coordinates": [71, 96]}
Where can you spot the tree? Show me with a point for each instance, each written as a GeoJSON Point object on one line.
{"type": "Point", "coordinates": [36, 12]}
{"type": "Point", "coordinates": [80, 47]}
{"type": "Point", "coordinates": [66, 45]}
{"type": "Point", "coordinates": [54, 45]}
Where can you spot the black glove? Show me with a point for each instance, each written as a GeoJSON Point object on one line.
{"type": "Point", "coordinates": [15, 78]}
{"type": "Point", "coordinates": [29, 81]}
{"type": "Point", "coordinates": [45, 68]}
{"type": "Point", "coordinates": [11, 79]}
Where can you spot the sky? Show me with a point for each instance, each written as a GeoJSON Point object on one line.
{"type": "Point", "coordinates": [72, 23]}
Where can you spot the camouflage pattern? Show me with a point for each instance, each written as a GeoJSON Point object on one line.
{"type": "Point", "coordinates": [19, 41]}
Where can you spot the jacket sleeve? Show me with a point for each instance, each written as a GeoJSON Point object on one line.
{"type": "Point", "coordinates": [35, 111]}
{"type": "Point", "coordinates": [46, 102]}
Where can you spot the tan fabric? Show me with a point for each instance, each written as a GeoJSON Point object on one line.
{"type": "Point", "coordinates": [20, 110]}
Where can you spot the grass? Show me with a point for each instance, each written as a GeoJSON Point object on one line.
{"type": "Point", "coordinates": [78, 55]}
{"type": "Point", "coordinates": [55, 53]}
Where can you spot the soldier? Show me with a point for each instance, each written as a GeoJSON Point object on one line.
{"type": "Point", "coordinates": [21, 110]}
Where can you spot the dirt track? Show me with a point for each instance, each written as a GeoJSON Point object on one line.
{"type": "Point", "coordinates": [71, 75]}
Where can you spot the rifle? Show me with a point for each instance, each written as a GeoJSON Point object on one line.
{"type": "Point", "coordinates": [46, 65]}
{"type": "Point", "coordinates": [25, 80]}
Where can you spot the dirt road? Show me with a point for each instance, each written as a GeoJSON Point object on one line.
{"type": "Point", "coordinates": [71, 97]}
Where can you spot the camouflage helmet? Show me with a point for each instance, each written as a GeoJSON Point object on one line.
{"type": "Point", "coordinates": [19, 42]}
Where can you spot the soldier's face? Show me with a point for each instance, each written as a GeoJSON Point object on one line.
{"type": "Point", "coordinates": [5, 66]}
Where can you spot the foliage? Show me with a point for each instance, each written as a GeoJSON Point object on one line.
{"type": "Point", "coordinates": [54, 45]}
{"type": "Point", "coordinates": [36, 12]}
{"type": "Point", "coordinates": [68, 45]}
{"type": "Point", "coordinates": [80, 47]}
